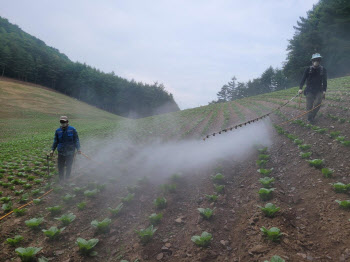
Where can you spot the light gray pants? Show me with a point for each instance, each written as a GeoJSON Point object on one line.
{"type": "Point", "coordinates": [313, 100]}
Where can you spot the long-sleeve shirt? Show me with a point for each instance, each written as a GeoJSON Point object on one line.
{"type": "Point", "coordinates": [316, 79]}
{"type": "Point", "coordinates": [66, 141]}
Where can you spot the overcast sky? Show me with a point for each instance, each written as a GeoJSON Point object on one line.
{"type": "Point", "coordinates": [192, 47]}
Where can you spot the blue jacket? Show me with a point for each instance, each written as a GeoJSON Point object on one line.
{"type": "Point", "coordinates": [66, 141]}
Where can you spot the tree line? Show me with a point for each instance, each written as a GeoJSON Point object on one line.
{"type": "Point", "coordinates": [325, 30]}
{"type": "Point", "coordinates": [27, 58]}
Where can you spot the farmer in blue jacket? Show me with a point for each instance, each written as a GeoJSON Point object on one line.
{"type": "Point", "coordinates": [66, 140]}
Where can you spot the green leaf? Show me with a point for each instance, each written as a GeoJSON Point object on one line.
{"type": "Point", "coordinates": [86, 246]}
{"type": "Point", "coordinates": [203, 240]}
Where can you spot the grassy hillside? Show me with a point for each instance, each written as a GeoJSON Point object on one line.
{"type": "Point", "coordinates": [27, 111]}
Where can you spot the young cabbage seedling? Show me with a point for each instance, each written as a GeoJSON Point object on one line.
{"type": "Point", "coordinates": [261, 163]}
{"type": "Point", "coordinates": [305, 155]}
{"type": "Point", "coordinates": [317, 163]}
{"type": "Point", "coordinates": [37, 201]}
{"type": "Point", "coordinates": [53, 232]}
{"type": "Point", "coordinates": [269, 210]}
{"type": "Point", "coordinates": [298, 141]}
{"type": "Point", "coordinates": [146, 235]}
{"type": "Point", "coordinates": [66, 219]}
{"type": "Point", "coordinates": [103, 226]}
{"type": "Point", "coordinates": [128, 198]}
{"type": "Point", "coordinates": [27, 254]}
{"type": "Point", "coordinates": [344, 204]}
{"type": "Point", "coordinates": [304, 147]}
{"type": "Point", "coordinates": [34, 223]}
{"type": "Point", "coordinates": [203, 240]}
{"type": "Point", "coordinates": [116, 211]}
{"type": "Point", "coordinates": [334, 134]}
{"type": "Point", "coordinates": [155, 218]}
{"type": "Point", "coordinates": [206, 213]}
{"type": "Point", "coordinates": [272, 234]}
{"type": "Point", "coordinates": [86, 246]}
{"type": "Point", "coordinates": [19, 212]}
{"type": "Point", "coordinates": [14, 241]}
{"type": "Point", "coordinates": [81, 205]}
{"type": "Point", "coordinates": [160, 202]}
{"type": "Point", "coordinates": [262, 150]}
{"type": "Point", "coordinates": [68, 198]}
{"type": "Point", "coordinates": [218, 178]}
{"type": "Point", "coordinates": [327, 172]}
{"type": "Point", "coordinates": [168, 188]}
{"type": "Point", "coordinates": [91, 193]}
{"type": "Point", "coordinates": [219, 188]}
{"type": "Point", "coordinates": [265, 172]}
{"type": "Point", "coordinates": [275, 259]}
{"type": "Point", "coordinates": [266, 181]}
{"type": "Point", "coordinates": [212, 198]}
{"type": "Point", "coordinates": [265, 193]}
{"type": "Point", "coordinates": [55, 210]}
{"type": "Point", "coordinates": [340, 187]}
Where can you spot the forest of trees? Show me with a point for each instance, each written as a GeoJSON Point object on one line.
{"type": "Point", "coordinates": [27, 58]}
{"type": "Point", "coordinates": [325, 30]}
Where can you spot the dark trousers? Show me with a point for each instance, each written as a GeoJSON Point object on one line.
{"type": "Point", "coordinates": [65, 162]}
{"type": "Point", "coordinates": [313, 100]}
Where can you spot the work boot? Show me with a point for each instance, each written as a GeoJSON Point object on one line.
{"type": "Point", "coordinates": [311, 120]}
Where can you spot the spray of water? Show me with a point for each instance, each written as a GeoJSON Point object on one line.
{"type": "Point", "coordinates": [158, 159]}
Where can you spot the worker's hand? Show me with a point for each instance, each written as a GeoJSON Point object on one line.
{"type": "Point", "coordinates": [300, 91]}
{"type": "Point", "coordinates": [79, 152]}
{"type": "Point", "coordinates": [324, 94]}
{"type": "Point", "coordinates": [51, 153]}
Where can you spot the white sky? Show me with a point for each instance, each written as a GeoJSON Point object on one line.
{"type": "Point", "coordinates": [192, 47]}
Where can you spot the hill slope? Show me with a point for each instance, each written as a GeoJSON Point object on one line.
{"type": "Point", "coordinates": [27, 110]}
{"type": "Point", "coordinates": [24, 57]}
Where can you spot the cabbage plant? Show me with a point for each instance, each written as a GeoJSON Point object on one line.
{"type": "Point", "coordinates": [317, 163]}
{"type": "Point", "coordinates": [344, 204]}
{"type": "Point", "coordinates": [266, 193]}
{"type": "Point", "coordinates": [267, 181]}
{"type": "Point", "coordinates": [116, 211]}
{"type": "Point", "coordinates": [91, 193]}
{"type": "Point", "coordinates": [212, 198]}
{"type": "Point", "coordinates": [34, 223]}
{"type": "Point", "coordinates": [265, 172]}
{"type": "Point", "coordinates": [202, 240]}
{"type": "Point", "coordinates": [154, 219]}
{"type": "Point", "coordinates": [305, 155]}
{"type": "Point", "coordinates": [261, 163]}
{"type": "Point", "coordinates": [269, 210]}
{"type": "Point", "coordinates": [102, 226]}
{"type": "Point", "coordinates": [27, 254]}
{"type": "Point", "coordinates": [54, 210]}
{"type": "Point", "coordinates": [66, 219]}
{"type": "Point", "coordinates": [219, 188]}
{"type": "Point", "coordinates": [206, 213]}
{"type": "Point", "coordinates": [86, 246]}
{"type": "Point", "coordinates": [218, 178]}
{"type": "Point", "coordinates": [304, 147]}
{"type": "Point", "coordinates": [14, 241]}
{"type": "Point", "coordinates": [146, 234]}
{"type": "Point", "coordinates": [340, 187]}
{"type": "Point", "coordinates": [160, 202]}
{"type": "Point", "coordinates": [53, 232]}
{"type": "Point", "coordinates": [273, 234]}
{"type": "Point", "coordinates": [275, 259]}
{"type": "Point", "coordinates": [327, 172]}
{"type": "Point", "coordinates": [128, 198]}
